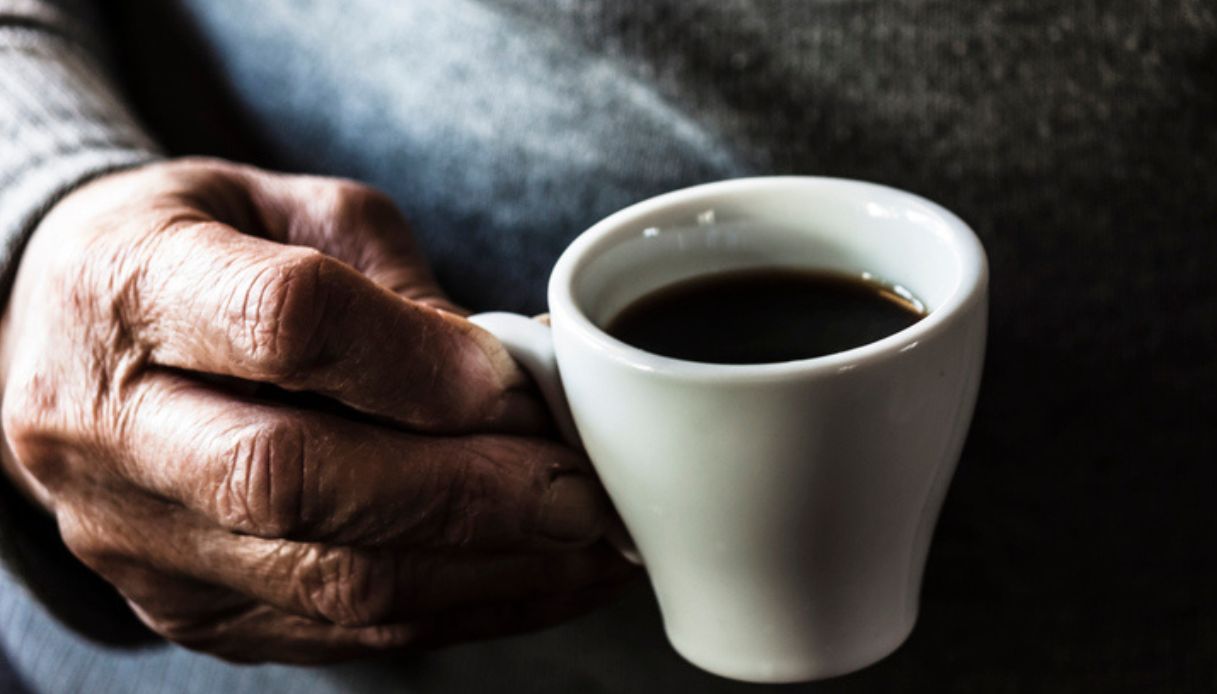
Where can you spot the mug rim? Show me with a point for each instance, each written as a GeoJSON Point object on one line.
{"type": "Point", "coordinates": [962, 240]}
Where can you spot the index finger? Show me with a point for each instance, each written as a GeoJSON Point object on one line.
{"type": "Point", "coordinates": [217, 301]}
{"type": "Point", "coordinates": [276, 472]}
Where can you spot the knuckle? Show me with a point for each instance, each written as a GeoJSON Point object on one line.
{"type": "Point", "coordinates": [22, 418]}
{"type": "Point", "coordinates": [348, 587]}
{"type": "Point", "coordinates": [262, 488]}
{"type": "Point", "coordinates": [26, 416]}
{"type": "Point", "coordinates": [350, 200]}
{"type": "Point", "coordinates": [282, 312]}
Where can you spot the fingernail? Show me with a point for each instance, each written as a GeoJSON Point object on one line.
{"type": "Point", "coordinates": [572, 510]}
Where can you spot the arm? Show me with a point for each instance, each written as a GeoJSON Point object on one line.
{"type": "Point", "coordinates": [61, 116]}
{"type": "Point", "coordinates": [62, 122]}
{"type": "Point", "coordinates": [246, 404]}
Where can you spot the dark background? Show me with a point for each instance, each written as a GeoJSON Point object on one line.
{"type": "Point", "coordinates": [1077, 550]}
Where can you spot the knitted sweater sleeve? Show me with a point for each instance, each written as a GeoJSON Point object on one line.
{"type": "Point", "coordinates": [61, 118]}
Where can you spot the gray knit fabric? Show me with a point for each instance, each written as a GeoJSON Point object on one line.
{"type": "Point", "coordinates": [1078, 138]}
{"type": "Point", "coordinates": [61, 119]}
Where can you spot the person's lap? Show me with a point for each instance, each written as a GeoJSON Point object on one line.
{"type": "Point", "coordinates": [620, 648]}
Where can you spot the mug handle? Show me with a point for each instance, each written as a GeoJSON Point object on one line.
{"type": "Point", "coordinates": [531, 344]}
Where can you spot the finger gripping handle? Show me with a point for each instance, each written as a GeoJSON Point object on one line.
{"type": "Point", "coordinates": [531, 344]}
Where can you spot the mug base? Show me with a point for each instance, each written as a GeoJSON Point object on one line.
{"type": "Point", "coordinates": [759, 671]}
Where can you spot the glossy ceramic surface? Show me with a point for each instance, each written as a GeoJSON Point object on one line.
{"type": "Point", "coordinates": [783, 511]}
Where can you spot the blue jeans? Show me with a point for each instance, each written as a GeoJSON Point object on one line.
{"type": "Point", "coordinates": [621, 648]}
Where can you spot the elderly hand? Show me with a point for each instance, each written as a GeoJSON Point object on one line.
{"type": "Point", "coordinates": [250, 409]}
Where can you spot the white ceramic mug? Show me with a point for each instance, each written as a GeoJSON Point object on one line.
{"type": "Point", "coordinates": [783, 511]}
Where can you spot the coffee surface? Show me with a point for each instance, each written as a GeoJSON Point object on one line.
{"type": "Point", "coordinates": [764, 315]}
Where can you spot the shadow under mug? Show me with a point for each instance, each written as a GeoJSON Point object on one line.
{"type": "Point", "coordinates": [783, 511]}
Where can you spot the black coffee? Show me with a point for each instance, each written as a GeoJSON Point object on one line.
{"type": "Point", "coordinates": [765, 315]}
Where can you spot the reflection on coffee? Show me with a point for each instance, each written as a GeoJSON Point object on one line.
{"type": "Point", "coordinates": [765, 315]}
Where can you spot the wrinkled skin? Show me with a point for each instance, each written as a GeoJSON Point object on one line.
{"type": "Point", "coordinates": [250, 409]}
